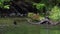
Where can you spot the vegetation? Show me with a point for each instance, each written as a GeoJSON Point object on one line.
{"type": "Point", "coordinates": [4, 4]}
{"type": "Point", "coordinates": [35, 9]}
{"type": "Point", "coordinates": [44, 8]}
{"type": "Point", "coordinates": [52, 7]}
{"type": "Point", "coordinates": [55, 13]}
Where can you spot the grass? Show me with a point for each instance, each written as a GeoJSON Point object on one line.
{"type": "Point", "coordinates": [23, 27]}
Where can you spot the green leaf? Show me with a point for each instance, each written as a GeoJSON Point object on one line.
{"type": "Point", "coordinates": [6, 6]}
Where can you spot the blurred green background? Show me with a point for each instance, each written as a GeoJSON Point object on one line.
{"type": "Point", "coordinates": [23, 27]}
